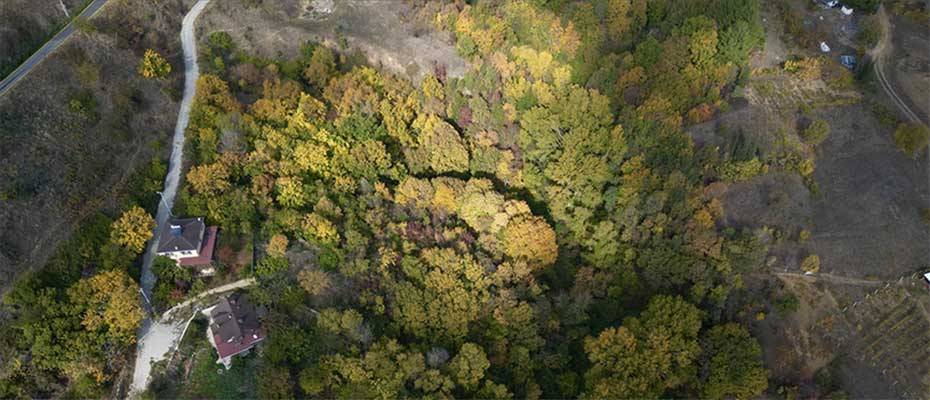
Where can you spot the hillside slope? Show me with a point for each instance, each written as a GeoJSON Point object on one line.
{"type": "Point", "coordinates": [27, 24]}
{"type": "Point", "coordinates": [73, 132]}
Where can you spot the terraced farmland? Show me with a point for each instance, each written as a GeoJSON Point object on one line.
{"type": "Point", "coordinates": [893, 335]}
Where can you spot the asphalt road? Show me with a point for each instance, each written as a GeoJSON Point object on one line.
{"type": "Point", "coordinates": [50, 46]}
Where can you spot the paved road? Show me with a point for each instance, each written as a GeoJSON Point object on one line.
{"type": "Point", "coordinates": [50, 46]}
{"type": "Point", "coordinates": [156, 338]}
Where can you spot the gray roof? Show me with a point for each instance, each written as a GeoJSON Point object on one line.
{"type": "Point", "coordinates": [234, 318]}
{"type": "Point", "coordinates": [181, 235]}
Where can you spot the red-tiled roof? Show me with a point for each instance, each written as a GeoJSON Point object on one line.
{"type": "Point", "coordinates": [234, 325]}
{"type": "Point", "coordinates": [225, 349]}
{"type": "Point", "coordinates": [206, 250]}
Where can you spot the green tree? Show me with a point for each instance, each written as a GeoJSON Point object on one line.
{"type": "Point", "coordinates": [468, 367]}
{"type": "Point", "coordinates": [444, 294]}
{"type": "Point", "coordinates": [731, 364]}
{"type": "Point", "coordinates": [133, 229]}
{"type": "Point", "coordinates": [275, 383]}
{"type": "Point", "coordinates": [383, 372]}
{"type": "Point", "coordinates": [647, 355]}
{"type": "Point", "coordinates": [816, 132]}
{"type": "Point", "coordinates": [911, 138]}
{"type": "Point", "coordinates": [321, 67]}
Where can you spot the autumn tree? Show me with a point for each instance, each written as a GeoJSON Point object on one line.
{"type": "Point", "coordinates": [321, 67]}
{"type": "Point", "coordinates": [531, 239]}
{"type": "Point", "coordinates": [154, 66]}
{"type": "Point", "coordinates": [277, 245]}
{"type": "Point", "coordinates": [444, 293]}
{"type": "Point", "coordinates": [440, 146]}
{"type": "Point", "coordinates": [314, 281]}
{"type": "Point", "coordinates": [109, 302]}
{"type": "Point", "coordinates": [811, 263]}
{"type": "Point", "coordinates": [133, 228]}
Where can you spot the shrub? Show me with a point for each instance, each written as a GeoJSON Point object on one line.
{"type": "Point", "coordinates": [911, 138]}
{"type": "Point", "coordinates": [787, 304]}
{"type": "Point", "coordinates": [816, 132]}
{"type": "Point", "coordinates": [739, 171]}
{"type": "Point", "coordinates": [811, 263]}
{"type": "Point", "coordinates": [805, 68]}
{"type": "Point", "coordinates": [804, 235]}
{"type": "Point", "coordinates": [870, 33]}
{"type": "Point", "coordinates": [153, 65]}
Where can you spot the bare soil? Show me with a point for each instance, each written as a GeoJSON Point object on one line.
{"type": "Point", "coordinates": [909, 64]}
{"type": "Point", "coordinates": [863, 211]}
{"type": "Point", "coordinates": [379, 28]}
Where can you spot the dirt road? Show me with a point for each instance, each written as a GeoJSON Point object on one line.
{"type": "Point", "coordinates": [880, 56]}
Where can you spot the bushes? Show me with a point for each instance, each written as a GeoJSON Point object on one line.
{"type": "Point", "coordinates": [870, 33]}
{"type": "Point", "coordinates": [787, 304]}
{"type": "Point", "coordinates": [811, 264]}
{"type": "Point", "coordinates": [911, 138]}
{"type": "Point", "coordinates": [154, 66]}
{"type": "Point", "coordinates": [808, 68]}
{"type": "Point", "coordinates": [816, 132]}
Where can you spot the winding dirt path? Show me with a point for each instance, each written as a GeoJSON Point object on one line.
{"type": "Point", "coordinates": [880, 55]}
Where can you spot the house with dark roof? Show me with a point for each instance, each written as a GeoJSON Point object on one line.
{"type": "Point", "coordinates": [234, 327]}
{"type": "Point", "coordinates": [188, 241]}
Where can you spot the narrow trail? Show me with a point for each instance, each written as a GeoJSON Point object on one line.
{"type": "Point", "coordinates": [154, 339]}
{"type": "Point", "coordinates": [834, 279]}
{"type": "Point", "coordinates": [880, 55]}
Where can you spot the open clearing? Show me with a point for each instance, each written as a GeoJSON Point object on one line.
{"type": "Point", "coordinates": [865, 320]}
{"type": "Point", "coordinates": [376, 27]}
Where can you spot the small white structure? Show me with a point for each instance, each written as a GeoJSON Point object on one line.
{"type": "Point", "coordinates": [846, 11]}
{"type": "Point", "coordinates": [824, 48]}
{"type": "Point", "coordinates": [927, 278]}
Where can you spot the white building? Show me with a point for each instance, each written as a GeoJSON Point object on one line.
{"type": "Point", "coordinates": [188, 241]}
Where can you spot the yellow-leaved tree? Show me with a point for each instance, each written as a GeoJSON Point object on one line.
{"type": "Point", "coordinates": [153, 65]}
{"type": "Point", "coordinates": [133, 229]}
{"type": "Point", "coordinates": [110, 303]}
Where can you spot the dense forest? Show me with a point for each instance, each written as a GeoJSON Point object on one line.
{"type": "Point", "coordinates": [541, 227]}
